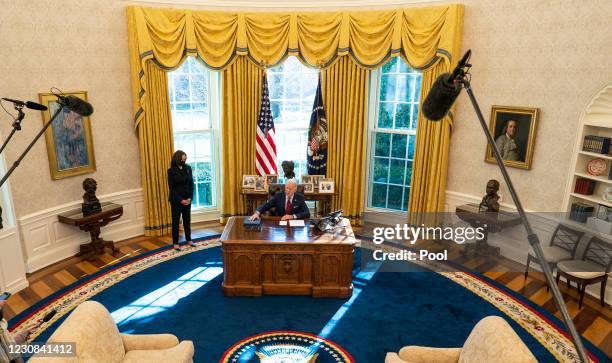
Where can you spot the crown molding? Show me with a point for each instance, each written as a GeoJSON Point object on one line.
{"type": "Point", "coordinates": [281, 5]}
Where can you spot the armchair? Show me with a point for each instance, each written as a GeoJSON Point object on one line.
{"type": "Point", "coordinates": [491, 340]}
{"type": "Point", "coordinates": [98, 339]}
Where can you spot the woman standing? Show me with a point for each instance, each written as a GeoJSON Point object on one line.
{"type": "Point", "coordinates": [180, 183]}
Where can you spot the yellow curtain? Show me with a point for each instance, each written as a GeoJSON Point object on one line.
{"type": "Point", "coordinates": [345, 90]}
{"type": "Point", "coordinates": [156, 148]}
{"type": "Point", "coordinates": [241, 85]}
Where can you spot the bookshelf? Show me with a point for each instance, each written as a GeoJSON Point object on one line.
{"type": "Point", "coordinates": [595, 120]}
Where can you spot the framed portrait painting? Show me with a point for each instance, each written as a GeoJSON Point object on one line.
{"type": "Point", "coordinates": [514, 131]}
{"type": "Point", "coordinates": [69, 141]}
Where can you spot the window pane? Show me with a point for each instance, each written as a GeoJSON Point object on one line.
{"type": "Point", "coordinates": [202, 145]}
{"type": "Point", "coordinates": [398, 149]}
{"type": "Point", "coordinates": [390, 66]}
{"type": "Point", "coordinates": [395, 197]}
{"type": "Point", "coordinates": [403, 66]}
{"type": "Point", "coordinates": [402, 116]}
{"type": "Point", "coordinates": [381, 170]}
{"type": "Point", "coordinates": [387, 87]}
{"type": "Point", "coordinates": [382, 144]}
{"type": "Point", "coordinates": [412, 140]}
{"type": "Point", "coordinates": [379, 195]}
{"type": "Point", "coordinates": [403, 89]}
{"type": "Point", "coordinates": [198, 88]}
{"type": "Point", "coordinates": [385, 115]}
{"type": "Point", "coordinates": [396, 172]}
{"type": "Point", "coordinates": [414, 116]}
{"type": "Point", "coordinates": [181, 85]}
{"type": "Point", "coordinates": [408, 173]}
{"type": "Point", "coordinates": [406, 198]}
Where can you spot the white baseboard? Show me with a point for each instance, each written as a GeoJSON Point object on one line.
{"type": "Point", "coordinates": [46, 241]}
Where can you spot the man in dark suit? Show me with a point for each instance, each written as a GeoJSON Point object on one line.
{"type": "Point", "coordinates": [289, 205]}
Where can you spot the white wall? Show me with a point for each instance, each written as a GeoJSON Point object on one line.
{"type": "Point", "coordinates": [553, 55]}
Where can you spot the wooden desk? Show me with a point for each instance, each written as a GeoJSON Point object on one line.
{"type": "Point", "coordinates": [92, 223]}
{"type": "Point", "coordinates": [255, 198]}
{"type": "Point", "coordinates": [281, 260]}
{"type": "Point", "coordinates": [490, 222]}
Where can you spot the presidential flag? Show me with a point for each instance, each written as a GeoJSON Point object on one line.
{"type": "Point", "coordinates": [265, 149]}
{"type": "Point", "coordinates": [317, 137]}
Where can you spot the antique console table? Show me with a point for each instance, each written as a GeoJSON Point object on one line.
{"type": "Point", "coordinates": [490, 222]}
{"type": "Point", "coordinates": [92, 223]}
{"type": "Point", "coordinates": [255, 198]}
{"type": "Point", "coordinates": [282, 260]}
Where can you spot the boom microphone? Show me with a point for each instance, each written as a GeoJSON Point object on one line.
{"type": "Point", "coordinates": [29, 104]}
{"type": "Point", "coordinates": [76, 104]}
{"type": "Point", "coordinates": [444, 91]}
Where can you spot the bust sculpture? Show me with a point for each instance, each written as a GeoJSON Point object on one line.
{"type": "Point", "coordinates": [490, 202]}
{"type": "Point", "coordinates": [288, 166]}
{"type": "Point", "coordinates": [91, 204]}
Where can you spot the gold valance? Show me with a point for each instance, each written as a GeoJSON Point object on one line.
{"type": "Point", "coordinates": [421, 35]}
{"type": "Point", "coordinates": [318, 38]}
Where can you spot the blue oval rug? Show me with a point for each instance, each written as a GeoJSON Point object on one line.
{"type": "Point", "coordinates": [180, 293]}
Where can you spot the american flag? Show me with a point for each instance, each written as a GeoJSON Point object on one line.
{"type": "Point", "coordinates": [265, 154]}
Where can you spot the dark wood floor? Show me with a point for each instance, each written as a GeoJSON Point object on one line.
{"type": "Point", "coordinates": [593, 321]}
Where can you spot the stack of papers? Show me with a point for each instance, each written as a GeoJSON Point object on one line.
{"type": "Point", "coordinates": [293, 223]}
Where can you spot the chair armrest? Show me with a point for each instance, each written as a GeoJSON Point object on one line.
{"type": "Point", "coordinates": [394, 358]}
{"type": "Point", "coordinates": [182, 353]}
{"type": "Point", "coordinates": [148, 341]}
{"type": "Point", "coordinates": [419, 354]}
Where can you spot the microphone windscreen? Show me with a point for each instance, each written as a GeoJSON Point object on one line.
{"type": "Point", "coordinates": [77, 105]}
{"type": "Point", "coordinates": [440, 98]}
{"type": "Point", "coordinates": [35, 106]}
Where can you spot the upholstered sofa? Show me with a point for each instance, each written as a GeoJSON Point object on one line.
{"type": "Point", "coordinates": [491, 340]}
{"type": "Point", "coordinates": [97, 339]}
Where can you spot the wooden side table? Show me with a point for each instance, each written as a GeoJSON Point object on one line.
{"type": "Point", "coordinates": [92, 224]}
{"type": "Point", "coordinates": [254, 198]}
{"type": "Point", "coordinates": [490, 222]}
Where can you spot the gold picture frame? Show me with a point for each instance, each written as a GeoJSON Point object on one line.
{"type": "Point", "coordinates": [514, 131]}
{"type": "Point", "coordinates": [69, 141]}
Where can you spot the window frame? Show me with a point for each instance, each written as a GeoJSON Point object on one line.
{"type": "Point", "coordinates": [372, 124]}
{"type": "Point", "coordinates": [214, 129]}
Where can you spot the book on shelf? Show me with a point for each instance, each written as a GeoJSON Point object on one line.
{"type": "Point", "coordinates": [584, 186]}
{"type": "Point", "coordinates": [596, 144]}
{"type": "Point", "coordinates": [581, 211]}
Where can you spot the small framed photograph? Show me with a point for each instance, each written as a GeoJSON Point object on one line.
{"type": "Point", "coordinates": [260, 184]}
{"type": "Point", "coordinates": [326, 185]}
{"type": "Point", "coordinates": [271, 179]}
{"type": "Point", "coordinates": [308, 188]}
{"type": "Point", "coordinates": [316, 178]}
{"type": "Point", "coordinates": [514, 130]}
{"type": "Point", "coordinates": [248, 181]}
{"type": "Point", "coordinates": [306, 179]}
